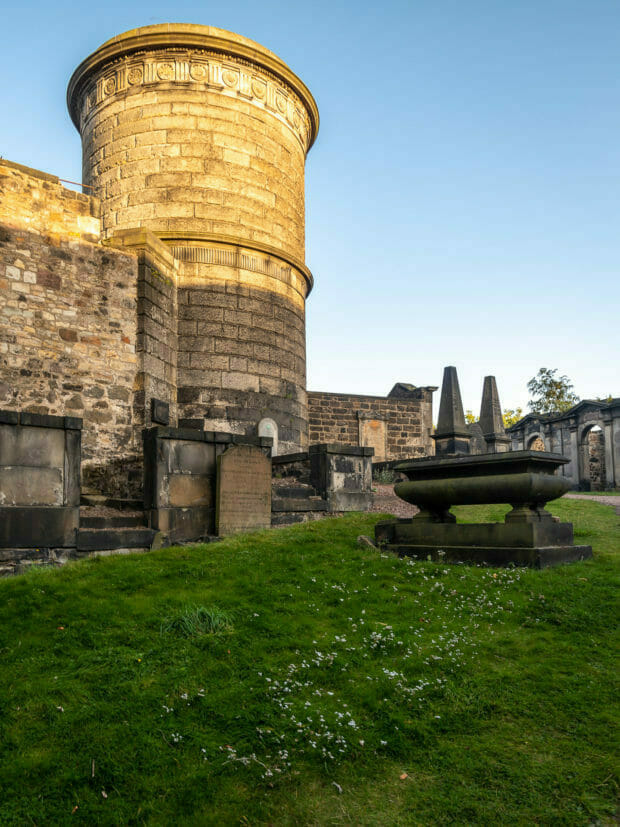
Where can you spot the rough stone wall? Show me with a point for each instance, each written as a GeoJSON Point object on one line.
{"type": "Point", "coordinates": [67, 313]}
{"type": "Point", "coordinates": [242, 357]}
{"type": "Point", "coordinates": [185, 158]}
{"type": "Point", "coordinates": [335, 418]}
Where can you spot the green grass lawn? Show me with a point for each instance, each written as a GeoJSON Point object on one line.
{"type": "Point", "coordinates": [292, 677]}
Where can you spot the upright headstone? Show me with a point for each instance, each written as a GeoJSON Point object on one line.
{"type": "Point", "coordinates": [269, 428]}
{"type": "Point", "coordinates": [451, 437]}
{"type": "Point", "coordinates": [243, 500]}
{"type": "Point", "coordinates": [491, 421]}
{"type": "Point", "coordinates": [373, 434]}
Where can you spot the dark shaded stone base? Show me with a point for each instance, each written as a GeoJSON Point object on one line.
{"type": "Point", "coordinates": [109, 539]}
{"type": "Point", "coordinates": [350, 501]}
{"type": "Point", "coordinates": [536, 558]}
{"type": "Point", "coordinates": [37, 526]}
{"type": "Point", "coordinates": [536, 544]}
{"type": "Point", "coordinates": [183, 524]}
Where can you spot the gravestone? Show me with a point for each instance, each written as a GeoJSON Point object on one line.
{"type": "Point", "coordinates": [243, 490]}
{"type": "Point", "coordinates": [372, 434]}
{"type": "Point", "coordinates": [269, 428]}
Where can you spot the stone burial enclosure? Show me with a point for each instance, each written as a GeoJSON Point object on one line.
{"type": "Point", "coordinates": [39, 487]}
{"type": "Point", "coordinates": [198, 486]}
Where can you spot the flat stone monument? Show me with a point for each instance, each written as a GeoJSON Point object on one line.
{"type": "Point", "coordinates": [243, 490]}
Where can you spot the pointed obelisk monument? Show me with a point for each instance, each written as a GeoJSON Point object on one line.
{"type": "Point", "coordinates": [451, 436]}
{"type": "Point", "coordinates": [491, 421]}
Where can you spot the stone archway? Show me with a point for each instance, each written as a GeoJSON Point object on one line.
{"type": "Point", "coordinates": [535, 442]}
{"type": "Point", "coordinates": [592, 472]}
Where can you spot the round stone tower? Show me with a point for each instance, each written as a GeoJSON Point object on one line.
{"type": "Point", "coordinates": [200, 136]}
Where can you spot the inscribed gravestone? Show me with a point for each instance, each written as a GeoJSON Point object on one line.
{"type": "Point", "coordinates": [243, 490]}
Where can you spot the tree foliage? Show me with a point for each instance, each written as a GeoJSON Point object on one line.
{"type": "Point", "coordinates": [550, 393]}
{"type": "Point", "coordinates": [511, 416]}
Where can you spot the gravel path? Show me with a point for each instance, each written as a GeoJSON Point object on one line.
{"type": "Point", "coordinates": [385, 501]}
{"type": "Point", "coordinates": [613, 501]}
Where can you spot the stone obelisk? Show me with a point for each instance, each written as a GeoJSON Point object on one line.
{"type": "Point", "coordinates": [451, 437]}
{"type": "Point", "coordinates": [491, 421]}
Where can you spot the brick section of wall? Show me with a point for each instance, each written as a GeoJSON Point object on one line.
{"type": "Point", "coordinates": [241, 358]}
{"type": "Point", "coordinates": [333, 418]}
{"type": "Point", "coordinates": [67, 314]}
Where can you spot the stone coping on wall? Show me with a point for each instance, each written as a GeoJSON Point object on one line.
{"type": "Point", "coordinates": [141, 239]}
{"type": "Point", "coordinates": [187, 36]}
{"type": "Point", "coordinates": [332, 448]}
{"type": "Point", "coordinates": [285, 459]}
{"type": "Point", "coordinates": [219, 437]}
{"type": "Point", "coordinates": [324, 448]}
{"type": "Point", "coordinates": [34, 420]}
{"type": "Point", "coordinates": [414, 393]}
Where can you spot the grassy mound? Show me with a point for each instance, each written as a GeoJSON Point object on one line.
{"type": "Point", "coordinates": [292, 677]}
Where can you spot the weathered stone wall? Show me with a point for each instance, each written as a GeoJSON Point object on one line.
{"type": "Point", "coordinates": [242, 357]}
{"type": "Point", "coordinates": [571, 434]}
{"type": "Point", "coordinates": [157, 323]}
{"type": "Point", "coordinates": [67, 313]}
{"type": "Point", "coordinates": [343, 418]}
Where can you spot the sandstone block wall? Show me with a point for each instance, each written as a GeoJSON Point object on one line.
{"type": "Point", "coordinates": [241, 358]}
{"type": "Point", "coordinates": [200, 136]}
{"type": "Point", "coordinates": [399, 423]}
{"type": "Point", "coordinates": [67, 313]}
{"type": "Point", "coordinates": [156, 324]}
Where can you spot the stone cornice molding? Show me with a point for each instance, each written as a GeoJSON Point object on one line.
{"type": "Point", "coordinates": [189, 239]}
{"type": "Point", "coordinates": [175, 36]}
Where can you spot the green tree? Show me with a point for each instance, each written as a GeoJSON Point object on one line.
{"type": "Point", "coordinates": [512, 416]}
{"type": "Point", "coordinates": [551, 394]}
{"type": "Point", "coordinates": [470, 418]}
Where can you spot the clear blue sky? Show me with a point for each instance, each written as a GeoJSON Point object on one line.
{"type": "Point", "coordinates": [463, 193]}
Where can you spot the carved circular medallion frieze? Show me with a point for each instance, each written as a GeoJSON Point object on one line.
{"type": "Point", "coordinates": [109, 87]}
{"type": "Point", "coordinates": [258, 89]}
{"type": "Point", "coordinates": [134, 75]}
{"type": "Point", "coordinates": [165, 71]}
{"type": "Point", "coordinates": [198, 71]}
{"type": "Point", "coordinates": [229, 78]}
{"type": "Point", "coordinates": [281, 103]}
